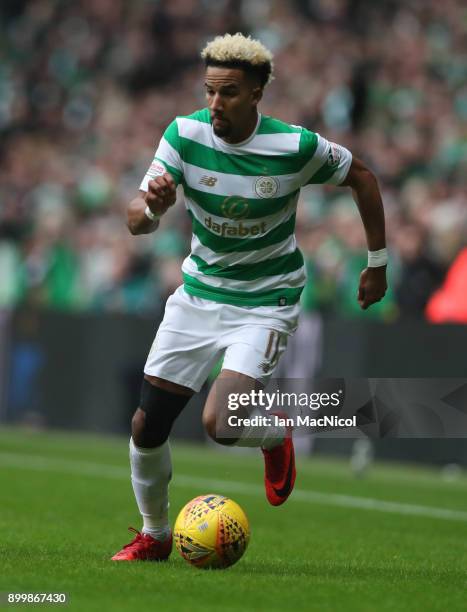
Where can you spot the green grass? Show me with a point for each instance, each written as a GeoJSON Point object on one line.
{"type": "Point", "coordinates": [66, 502]}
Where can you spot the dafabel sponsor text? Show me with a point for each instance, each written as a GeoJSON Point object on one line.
{"type": "Point", "coordinates": [239, 229]}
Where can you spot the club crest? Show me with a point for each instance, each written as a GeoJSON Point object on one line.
{"type": "Point", "coordinates": [266, 186]}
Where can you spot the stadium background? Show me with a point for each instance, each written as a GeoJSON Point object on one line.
{"type": "Point", "coordinates": [86, 90]}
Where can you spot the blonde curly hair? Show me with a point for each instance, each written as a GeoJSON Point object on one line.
{"type": "Point", "coordinates": [239, 51]}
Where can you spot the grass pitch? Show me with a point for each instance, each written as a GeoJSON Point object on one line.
{"type": "Point", "coordinates": [396, 540]}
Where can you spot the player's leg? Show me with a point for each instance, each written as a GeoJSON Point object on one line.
{"type": "Point", "coordinates": [248, 363]}
{"type": "Point", "coordinates": [151, 466]}
{"type": "Point", "coordinates": [178, 364]}
{"type": "Point", "coordinates": [150, 459]}
{"type": "Point", "coordinates": [221, 413]}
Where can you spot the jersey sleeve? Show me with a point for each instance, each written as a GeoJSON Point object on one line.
{"type": "Point", "coordinates": [324, 161]}
{"type": "Point", "coordinates": [167, 157]}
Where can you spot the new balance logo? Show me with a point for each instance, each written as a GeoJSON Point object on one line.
{"type": "Point", "coordinates": [209, 181]}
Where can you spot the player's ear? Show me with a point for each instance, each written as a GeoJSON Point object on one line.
{"type": "Point", "coordinates": [256, 95]}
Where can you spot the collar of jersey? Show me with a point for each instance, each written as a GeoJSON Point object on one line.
{"type": "Point", "coordinates": [226, 145]}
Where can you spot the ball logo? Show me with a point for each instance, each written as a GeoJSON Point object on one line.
{"type": "Point", "coordinates": [235, 207]}
{"type": "Point", "coordinates": [266, 186]}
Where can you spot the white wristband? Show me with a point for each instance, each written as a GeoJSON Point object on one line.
{"type": "Point", "coordinates": [150, 215]}
{"type": "Point", "coordinates": [376, 259]}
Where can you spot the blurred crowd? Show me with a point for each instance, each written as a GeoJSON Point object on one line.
{"type": "Point", "coordinates": [88, 86]}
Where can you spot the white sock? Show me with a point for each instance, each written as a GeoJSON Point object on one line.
{"type": "Point", "coordinates": [266, 437]}
{"type": "Point", "coordinates": [151, 471]}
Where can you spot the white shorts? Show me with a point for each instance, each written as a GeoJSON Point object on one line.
{"type": "Point", "coordinates": [195, 333]}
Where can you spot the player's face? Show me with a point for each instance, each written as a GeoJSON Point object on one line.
{"type": "Point", "coordinates": [232, 97]}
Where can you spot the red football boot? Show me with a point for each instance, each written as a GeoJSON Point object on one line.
{"type": "Point", "coordinates": [144, 548]}
{"type": "Point", "coordinates": [279, 469]}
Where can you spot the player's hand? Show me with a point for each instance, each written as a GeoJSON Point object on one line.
{"type": "Point", "coordinates": [372, 286]}
{"type": "Point", "coordinates": [161, 193]}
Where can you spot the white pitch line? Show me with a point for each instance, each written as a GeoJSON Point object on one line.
{"type": "Point", "coordinates": [100, 470]}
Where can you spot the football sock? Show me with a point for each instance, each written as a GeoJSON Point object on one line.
{"type": "Point", "coordinates": [160, 534]}
{"type": "Point", "coordinates": [270, 443]}
{"type": "Point", "coordinates": [151, 470]}
{"type": "Point", "coordinates": [266, 436]}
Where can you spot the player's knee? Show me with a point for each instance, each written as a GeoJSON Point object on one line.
{"type": "Point", "coordinates": [153, 421]}
{"type": "Point", "coordinates": [138, 423]}
{"type": "Point", "coordinates": [142, 435]}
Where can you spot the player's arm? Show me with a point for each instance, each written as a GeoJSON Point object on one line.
{"type": "Point", "coordinates": [144, 211]}
{"type": "Point", "coordinates": [158, 188]}
{"type": "Point", "coordinates": [366, 194]}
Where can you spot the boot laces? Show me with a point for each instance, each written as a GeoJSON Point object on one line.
{"type": "Point", "coordinates": [138, 540]}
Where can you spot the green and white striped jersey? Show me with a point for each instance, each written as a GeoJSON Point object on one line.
{"type": "Point", "coordinates": [242, 202]}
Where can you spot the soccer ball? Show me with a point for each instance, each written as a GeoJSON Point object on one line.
{"type": "Point", "coordinates": [211, 531]}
